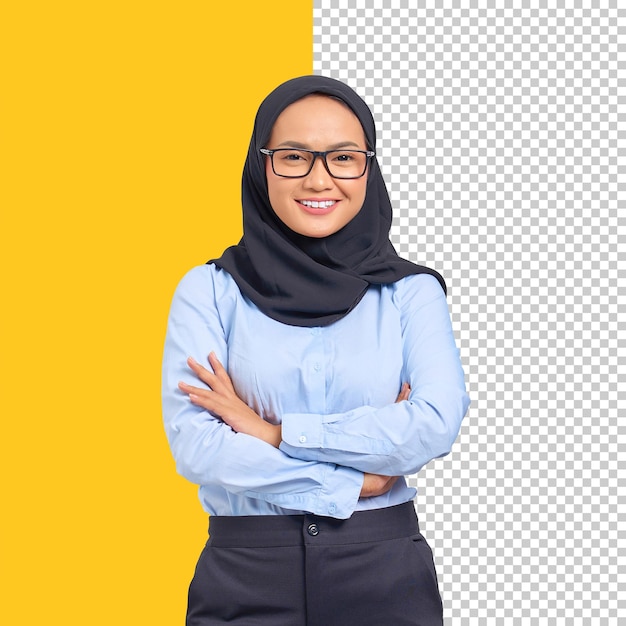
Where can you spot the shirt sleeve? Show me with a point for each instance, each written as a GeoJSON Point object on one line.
{"type": "Point", "coordinates": [206, 450]}
{"type": "Point", "coordinates": [399, 438]}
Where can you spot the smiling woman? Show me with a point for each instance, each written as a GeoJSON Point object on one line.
{"type": "Point", "coordinates": [332, 373]}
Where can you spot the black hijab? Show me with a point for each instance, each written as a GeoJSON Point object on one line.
{"type": "Point", "coordinates": [307, 281]}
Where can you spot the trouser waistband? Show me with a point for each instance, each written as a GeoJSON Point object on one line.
{"type": "Point", "coordinates": [289, 530]}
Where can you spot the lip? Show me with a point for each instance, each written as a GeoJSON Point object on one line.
{"type": "Point", "coordinates": [319, 210]}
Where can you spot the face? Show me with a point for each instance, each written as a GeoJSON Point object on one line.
{"type": "Point", "coordinates": [316, 123]}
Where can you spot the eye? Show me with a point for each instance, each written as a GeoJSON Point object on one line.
{"type": "Point", "coordinates": [293, 156]}
{"type": "Point", "coordinates": [346, 157]}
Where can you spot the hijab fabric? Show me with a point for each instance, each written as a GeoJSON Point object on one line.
{"type": "Point", "coordinates": [307, 281]}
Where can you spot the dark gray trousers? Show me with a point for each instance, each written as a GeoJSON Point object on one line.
{"type": "Point", "coordinates": [305, 570]}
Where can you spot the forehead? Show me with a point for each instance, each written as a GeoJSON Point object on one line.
{"type": "Point", "coordinates": [318, 117]}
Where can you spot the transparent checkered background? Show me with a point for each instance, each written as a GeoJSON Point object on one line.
{"type": "Point", "coordinates": [502, 140]}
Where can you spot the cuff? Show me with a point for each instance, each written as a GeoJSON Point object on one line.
{"type": "Point", "coordinates": [303, 430]}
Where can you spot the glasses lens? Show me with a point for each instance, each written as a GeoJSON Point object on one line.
{"type": "Point", "coordinates": [292, 162]}
{"type": "Point", "coordinates": [346, 163]}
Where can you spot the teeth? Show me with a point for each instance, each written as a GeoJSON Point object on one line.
{"type": "Point", "coordinates": [317, 205]}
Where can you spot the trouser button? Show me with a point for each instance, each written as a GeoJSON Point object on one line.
{"type": "Point", "coordinates": [313, 530]}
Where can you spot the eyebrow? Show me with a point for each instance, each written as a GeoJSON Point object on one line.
{"type": "Point", "coordinates": [335, 146]}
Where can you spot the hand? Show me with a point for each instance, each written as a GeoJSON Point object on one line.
{"type": "Point", "coordinates": [376, 485]}
{"type": "Point", "coordinates": [222, 401]}
{"type": "Point", "coordinates": [405, 392]}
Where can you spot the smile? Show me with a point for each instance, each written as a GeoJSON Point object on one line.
{"type": "Point", "coordinates": [324, 204]}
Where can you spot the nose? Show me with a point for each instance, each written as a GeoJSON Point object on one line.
{"type": "Point", "coordinates": [318, 178]}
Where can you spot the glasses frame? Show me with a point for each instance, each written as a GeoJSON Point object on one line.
{"type": "Point", "coordinates": [322, 155]}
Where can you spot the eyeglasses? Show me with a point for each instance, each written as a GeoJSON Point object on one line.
{"type": "Point", "coordinates": [298, 163]}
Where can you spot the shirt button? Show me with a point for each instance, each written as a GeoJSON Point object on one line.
{"type": "Point", "coordinates": [313, 530]}
{"type": "Point", "coordinates": [317, 367]}
{"type": "Point", "coordinates": [302, 439]}
{"type": "Point", "coordinates": [332, 508]}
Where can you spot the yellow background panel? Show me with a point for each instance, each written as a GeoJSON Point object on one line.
{"type": "Point", "coordinates": [123, 130]}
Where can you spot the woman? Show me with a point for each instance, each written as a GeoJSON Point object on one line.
{"type": "Point", "coordinates": [332, 372]}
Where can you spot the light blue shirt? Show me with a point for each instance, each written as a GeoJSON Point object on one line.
{"type": "Point", "coordinates": [333, 388]}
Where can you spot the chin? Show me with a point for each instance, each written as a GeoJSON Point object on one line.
{"type": "Point", "coordinates": [317, 233]}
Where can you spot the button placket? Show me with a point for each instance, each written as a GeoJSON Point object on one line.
{"type": "Point", "coordinates": [315, 369]}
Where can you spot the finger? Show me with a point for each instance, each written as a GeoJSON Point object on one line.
{"type": "Point", "coordinates": [204, 401]}
{"type": "Point", "coordinates": [203, 398]}
{"type": "Point", "coordinates": [207, 403]}
{"type": "Point", "coordinates": [202, 372]}
{"type": "Point", "coordinates": [404, 392]}
{"type": "Point", "coordinates": [197, 368]}
{"type": "Point", "coordinates": [189, 389]}
{"type": "Point", "coordinates": [220, 371]}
